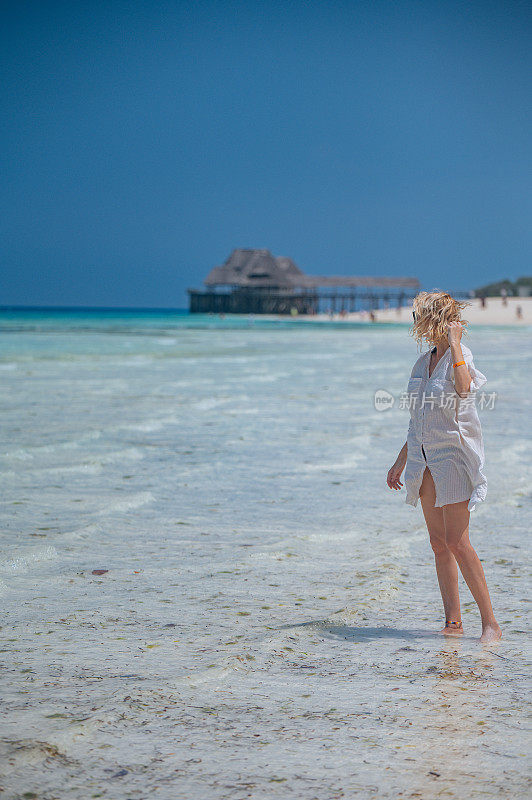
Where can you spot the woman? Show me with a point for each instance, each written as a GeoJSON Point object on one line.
{"type": "Point", "coordinates": [444, 454]}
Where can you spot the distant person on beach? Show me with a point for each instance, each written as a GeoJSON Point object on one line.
{"type": "Point", "coordinates": [444, 454]}
{"type": "Point", "coordinates": [483, 303]}
{"type": "Point", "coordinates": [504, 295]}
{"type": "Point", "coordinates": [519, 312]}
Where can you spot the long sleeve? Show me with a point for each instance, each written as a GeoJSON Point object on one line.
{"type": "Point", "coordinates": [478, 379]}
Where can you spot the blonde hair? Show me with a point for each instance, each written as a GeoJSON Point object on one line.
{"type": "Point", "coordinates": [433, 312]}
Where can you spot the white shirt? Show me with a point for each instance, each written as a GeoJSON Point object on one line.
{"type": "Point", "coordinates": [446, 427]}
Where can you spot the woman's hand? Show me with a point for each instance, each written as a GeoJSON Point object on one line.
{"type": "Point", "coordinates": [395, 473]}
{"type": "Point", "coordinates": [454, 332]}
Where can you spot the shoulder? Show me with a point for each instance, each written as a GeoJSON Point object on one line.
{"type": "Point", "coordinates": [418, 366]}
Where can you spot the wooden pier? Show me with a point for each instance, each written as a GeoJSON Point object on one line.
{"type": "Point", "coordinates": [255, 281]}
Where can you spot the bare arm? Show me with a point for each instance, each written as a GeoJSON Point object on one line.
{"type": "Point", "coordinates": [395, 472]}
{"type": "Point", "coordinates": [462, 376]}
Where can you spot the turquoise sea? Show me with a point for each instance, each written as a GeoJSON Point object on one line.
{"type": "Point", "coordinates": [265, 625]}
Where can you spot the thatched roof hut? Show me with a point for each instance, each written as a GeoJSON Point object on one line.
{"type": "Point", "coordinates": [247, 267]}
{"type": "Point", "coordinates": [259, 268]}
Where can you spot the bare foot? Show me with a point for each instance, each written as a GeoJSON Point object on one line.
{"type": "Point", "coordinates": [452, 630]}
{"type": "Point", "coordinates": [491, 633]}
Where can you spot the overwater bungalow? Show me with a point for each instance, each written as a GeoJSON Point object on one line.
{"type": "Point", "coordinates": [255, 281]}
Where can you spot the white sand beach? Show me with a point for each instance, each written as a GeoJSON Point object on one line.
{"type": "Point", "coordinates": [494, 313]}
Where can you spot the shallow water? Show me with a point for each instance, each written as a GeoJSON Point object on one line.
{"type": "Point", "coordinates": [266, 625]}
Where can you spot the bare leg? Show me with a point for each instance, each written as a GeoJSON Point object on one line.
{"type": "Point", "coordinates": [446, 568]}
{"type": "Point", "coordinates": [456, 517]}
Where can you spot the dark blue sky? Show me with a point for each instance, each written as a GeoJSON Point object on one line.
{"type": "Point", "coordinates": [143, 141]}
